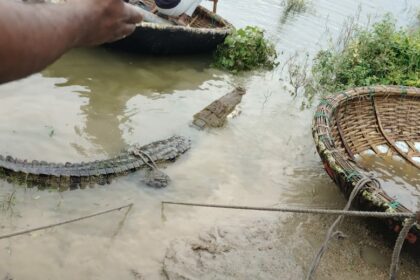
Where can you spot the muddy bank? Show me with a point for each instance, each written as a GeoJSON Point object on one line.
{"type": "Point", "coordinates": [283, 249]}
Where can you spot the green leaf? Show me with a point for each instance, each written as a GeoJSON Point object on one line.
{"type": "Point", "coordinates": [246, 49]}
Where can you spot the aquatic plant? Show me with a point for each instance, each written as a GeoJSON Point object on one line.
{"type": "Point", "coordinates": [7, 202]}
{"type": "Point", "coordinates": [245, 49]}
{"type": "Point", "coordinates": [382, 54]}
{"type": "Point", "coordinates": [294, 6]}
{"type": "Point", "coordinates": [297, 72]}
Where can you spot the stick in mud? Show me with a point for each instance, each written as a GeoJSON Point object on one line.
{"type": "Point", "coordinates": [214, 115]}
{"type": "Point", "coordinates": [129, 206]}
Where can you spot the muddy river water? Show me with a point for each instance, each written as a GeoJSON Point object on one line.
{"type": "Point", "coordinates": [93, 103]}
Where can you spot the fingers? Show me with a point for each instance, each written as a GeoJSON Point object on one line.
{"type": "Point", "coordinates": [123, 32]}
{"type": "Point", "coordinates": [129, 29]}
{"type": "Point", "coordinates": [106, 20]}
{"type": "Point", "coordinates": [132, 15]}
{"type": "Point", "coordinates": [128, 24]}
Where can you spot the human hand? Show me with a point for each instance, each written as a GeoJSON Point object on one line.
{"type": "Point", "coordinates": [103, 21]}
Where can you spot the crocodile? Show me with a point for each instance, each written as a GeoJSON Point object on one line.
{"type": "Point", "coordinates": [215, 114]}
{"type": "Point", "coordinates": [80, 175]}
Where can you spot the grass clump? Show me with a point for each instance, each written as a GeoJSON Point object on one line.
{"type": "Point", "coordinates": [382, 54]}
{"type": "Point", "coordinates": [295, 6]}
{"type": "Point", "coordinates": [245, 49]}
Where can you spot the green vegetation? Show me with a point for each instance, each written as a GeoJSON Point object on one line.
{"type": "Point", "coordinates": [245, 49]}
{"type": "Point", "coordinates": [294, 6]}
{"type": "Point", "coordinates": [382, 54]}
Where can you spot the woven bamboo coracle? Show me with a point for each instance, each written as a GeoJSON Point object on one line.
{"type": "Point", "coordinates": [351, 122]}
{"type": "Point", "coordinates": [201, 18]}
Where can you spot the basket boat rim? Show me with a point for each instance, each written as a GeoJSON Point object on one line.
{"type": "Point", "coordinates": [225, 30]}
{"type": "Point", "coordinates": [345, 172]}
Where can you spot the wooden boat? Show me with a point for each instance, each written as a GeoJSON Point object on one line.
{"type": "Point", "coordinates": [360, 120]}
{"type": "Point", "coordinates": [205, 32]}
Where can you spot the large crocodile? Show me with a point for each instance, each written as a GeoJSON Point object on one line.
{"type": "Point", "coordinates": [69, 175]}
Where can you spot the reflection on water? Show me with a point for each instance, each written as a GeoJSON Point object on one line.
{"type": "Point", "coordinates": [96, 102]}
{"type": "Point", "coordinates": [111, 80]}
{"type": "Point", "coordinates": [398, 178]}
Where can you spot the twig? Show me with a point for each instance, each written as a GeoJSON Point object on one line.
{"type": "Point", "coordinates": [267, 95]}
{"type": "Point", "coordinates": [193, 20]}
{"type": "Point", "coordinates": [64, 222]}
{"type": "Point", "coordinates": [8, 203]}
{"type": "Point", "coordinates": [10, 200]}
{"type": "Point", "coordinates": [121, 223]}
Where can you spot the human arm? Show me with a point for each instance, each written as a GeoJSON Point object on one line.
{"type": "Point", "coordinates": [32, 36]}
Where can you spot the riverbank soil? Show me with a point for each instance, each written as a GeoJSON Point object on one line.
{"type": "Point", "coordinates": [283, 249]}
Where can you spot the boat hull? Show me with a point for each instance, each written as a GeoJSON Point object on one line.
{"type": "Point", "coordinates": [347, 123]}
{"type": "Point", "coordinates": [171, 40]}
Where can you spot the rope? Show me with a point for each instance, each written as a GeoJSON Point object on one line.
{"type": "Point", "coordinates": [395, 261]}
{"type": "Point", "coordinates": [331, 233]}
{"type": "Point", "coordinates": [412, 218]}
{"type": "Point", "coordinates": [381, 215]}
{"type": "Point", "coordinates": [65, 222]}
{"type": "Point", "coordinates": [142, 155]}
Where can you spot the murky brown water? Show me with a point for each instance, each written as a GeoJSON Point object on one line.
{"type": "Point", "coordinates": [92, 103]}
{"type": "Point", "coordinates": [398, 178]}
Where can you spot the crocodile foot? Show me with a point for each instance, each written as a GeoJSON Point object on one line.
{"type": "Point", "coordinates": [156, 178]}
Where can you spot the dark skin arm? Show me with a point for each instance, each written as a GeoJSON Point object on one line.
{"type": "Point", "coordinates": [32, 36]}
